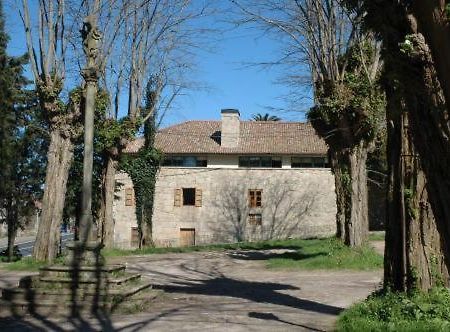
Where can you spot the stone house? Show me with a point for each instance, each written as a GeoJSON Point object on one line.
{"type": "Point", "coordinates": [233, 180]}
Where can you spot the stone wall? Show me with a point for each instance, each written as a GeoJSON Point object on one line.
{"type": "Point", "coordinates": [124, 215]}
{"type": "Point", "coordinates": [295, 203]}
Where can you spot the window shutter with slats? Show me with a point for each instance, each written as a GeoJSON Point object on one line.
{"type": "Point", "coordinates": [129, 199]}
{"type": "Point", "coordinates": [198, 197]}
{"type": "Point", "coordinates": [178, 197]}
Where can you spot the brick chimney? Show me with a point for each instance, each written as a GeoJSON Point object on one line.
{"type": "Point", "coordinates": [230, 128]}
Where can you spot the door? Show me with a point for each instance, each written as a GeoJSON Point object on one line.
{"type": "Point", "coordinates": [187, 237]}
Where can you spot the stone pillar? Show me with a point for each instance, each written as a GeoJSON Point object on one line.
{"type": "Point", "coordinates": [91, 40]}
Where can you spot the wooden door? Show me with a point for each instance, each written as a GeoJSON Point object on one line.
{"type": "Point", "coordinates": [187, 237]}
{"type": "Point", "coordinates": [134, 237]}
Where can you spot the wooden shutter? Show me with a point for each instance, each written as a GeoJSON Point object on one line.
{"type": "Point", "coordinates": [129, 199]}
{"type": "Point", "coordinates": [251, 198]}
{"type": "Point", "coordinates": [258, 194]}
{"type": "Point", "coordinates": [198, 197]}
{"type": "Point", "coordinates": [178, 197]}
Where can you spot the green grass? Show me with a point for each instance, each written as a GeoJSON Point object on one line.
{"type": "Point", "coordinates": [377, 236]}
{"type": "Point", "coordinates": [300, 254]}
{"type": "Point", "coordinates": [27, 264]}
{"type": "Point", "coordinates": [303, 254]}
{"type": "Point", "coordinates": [388, 311]}
{"type": "Point", "coordinates": [328, 254]}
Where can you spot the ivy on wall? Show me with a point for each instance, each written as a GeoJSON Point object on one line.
{"type": "Point", "coordinates": [142, 168]}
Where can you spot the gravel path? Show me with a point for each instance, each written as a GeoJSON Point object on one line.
{"type": "Point", "coordinates": [228, 291]}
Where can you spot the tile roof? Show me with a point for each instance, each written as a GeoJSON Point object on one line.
{"type": "Point", "coordinates": [256, 137]}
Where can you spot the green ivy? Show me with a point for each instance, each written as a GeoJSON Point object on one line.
{"type": "Point", "coordinates": [355, 101]}
{"type": "Point", "coordinates": [142, 168]}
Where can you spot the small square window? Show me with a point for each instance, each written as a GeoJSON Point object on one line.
{"type": "Point", "coordinates": [255, 219]}
{"type": "Point", "coordinates": [255, 198]}
{"type": "Point", "coordinates": [188, 196]}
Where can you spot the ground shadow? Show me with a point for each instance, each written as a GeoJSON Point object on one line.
{"type": "Point", "coordinates": [271, 317]}
{"type": "Point", "coordinates": [265, 255]}
{"type": "Point", "coordinates": [260, 292]}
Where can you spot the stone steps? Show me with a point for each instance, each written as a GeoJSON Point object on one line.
{"type": "Point", "coordinates": [35, 301]}
{"type": "Point", "coordinates": [58, 289]}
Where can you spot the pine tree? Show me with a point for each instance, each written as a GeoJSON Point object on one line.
{"type": "Point", "coordinates": [21, 146]}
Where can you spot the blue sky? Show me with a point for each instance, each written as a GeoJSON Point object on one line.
{"type": "Point", "coordinates": [231, 83]}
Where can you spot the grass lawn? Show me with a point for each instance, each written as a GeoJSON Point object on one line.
{"type": "Point", "coordinates": [388, 311]}
{"type": "Point", "coordinates": [27, 264]}
{"type": "Point", "coordinates": [326, 253]}
{"type": "Point", "coordinates": [377, 236]}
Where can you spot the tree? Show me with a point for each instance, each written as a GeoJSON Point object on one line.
{"type": "Point", "coordinates": [265, 117]}
{"type": "Point", "coordinates": [344, 67]}
{"type": "Point", "coordinates": [21, 144]}
{"type": "Point", "coordinates": [416, 50]}
{"type": "Point", "coordinates": [47, 46]}
{"type": "Point", "coordinates": [159, 37]}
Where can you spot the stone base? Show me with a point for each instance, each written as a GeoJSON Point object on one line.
{"type": "Point", "coordinates": [84, 254]}
{"type": "Point", "coordinates": [84, 284]}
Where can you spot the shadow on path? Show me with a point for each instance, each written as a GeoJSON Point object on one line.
{"type": "Point", "coordinates": [260, 292]}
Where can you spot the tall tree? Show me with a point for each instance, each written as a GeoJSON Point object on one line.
{"type": "Point", "coordinates": [47, 46]}
{"type": "Point", "coordinates": [20, 144]}
{"type": "Point", "coordinates": [343, 64]}
{"type": "Point", "coordinates": [416, 39]}
{"type": "Point", "coordinates": [159, 37]}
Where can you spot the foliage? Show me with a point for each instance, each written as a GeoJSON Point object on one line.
{"type": "Point", "coordinates": [265, 117]}
{"type": "Point", "coordinates": [327, 253]}
{"type": "Point", "coordinates": [72, 208]}
{"type": "Point", "coordinates": [142, 169]}
{"type": "Point", "coordinates": [109, 137]}
{"type": "Point", "coordinates": [143, 166]}
{"type": "Point", "coordinates": [17, 255]}
{"type": "Point", "coordinates": [390, 311]}
{"type": "Point", "coordinates": [356, 103]}
{"type": "Point", "coordinates": [23, 140]}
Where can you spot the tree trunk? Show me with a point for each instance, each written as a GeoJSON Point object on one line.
{"type": "Point", "coordinates": [349, 167]}
{"type": "Point", "coordinates": [414, 257]}
{"type": "Point", "coordinates": [12, 223]}
{"type": "Point", "coordinates": [418, 232]}
{"type": "Point", "coordinates": [357, 226]}
{"type": "Point", "coordinates": [108, 190]}
{"type": "Point", "coordinates": [341, 195]}
{"type": "Point", "coordinates": [60, 155]}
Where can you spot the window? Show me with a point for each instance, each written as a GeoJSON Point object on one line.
{"type": "Point", "coordinates": [308, 162]}
{"type": "Point", "coordinates": [254, 198]}
{"type": "Point", "coordinates": [255, 219]}
{"type": "Point", "coordinates": [260, 161]}
{"type": "Point", "coordinates": [129, 197]}
{"type": "Point", "coordinates": [185, 161]}
{"type": "Point", "coordinates": [188, 197]}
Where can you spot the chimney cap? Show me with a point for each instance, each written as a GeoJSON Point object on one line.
{"type": "Point", "coordinates": [230, 111]}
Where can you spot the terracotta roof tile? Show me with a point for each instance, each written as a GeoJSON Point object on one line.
{"type": "Point", "coordinates": [256, 137]}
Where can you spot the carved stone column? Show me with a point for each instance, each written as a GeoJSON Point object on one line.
{"type": "Point", "coordinates": [91, 40]}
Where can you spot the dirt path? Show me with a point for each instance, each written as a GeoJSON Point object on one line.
{"type": "Point", "coordinates": [233, 291]}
